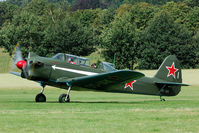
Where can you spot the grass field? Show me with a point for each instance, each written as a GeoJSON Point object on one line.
{"type": "Point", "coordinates": [96, 112]}
{"type": "Point", "coordinates": [4, 61]}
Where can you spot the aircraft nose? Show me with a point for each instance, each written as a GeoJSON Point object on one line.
{"type": "Point", "coordinates": [20, 64]}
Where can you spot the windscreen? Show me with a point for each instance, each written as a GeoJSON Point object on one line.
{"type": "Point", "coordinates": [106, 66]}
{"type": "Point", "coordinates": [59, 56]}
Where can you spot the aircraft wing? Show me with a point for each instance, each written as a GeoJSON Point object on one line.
{"type": "Point", "coordinates": [171, 84]}
{"type": "Point", "coordinates": [16, 73]}
{"type": "Point", "coordinates": [103, 80]}
{"type": "Point", "coordinates": [106, 79]}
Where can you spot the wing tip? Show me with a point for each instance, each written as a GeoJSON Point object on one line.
{"type": "Point", "coordinates": [16, 73]}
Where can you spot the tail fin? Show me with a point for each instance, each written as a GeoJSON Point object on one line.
{"type": "Point", "coordinates": [170, 70]}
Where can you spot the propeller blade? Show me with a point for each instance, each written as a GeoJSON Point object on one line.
{"type": "Point", "coordinates": [24, 70]}
{"type": "Point", "coordinates": [16, 56]}
{"type": "Point", "coordinates": [19, 62]}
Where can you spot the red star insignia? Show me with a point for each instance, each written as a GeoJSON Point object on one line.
{"type": "Point", "coordinates": [172, 70]}
{"type": "Point", "coordinates": [130, 84]}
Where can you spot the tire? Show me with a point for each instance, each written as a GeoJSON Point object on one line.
{"type": "Point", "coordinates": [163, 100]}
{"type": "Point", "coordinates": [40, 97]}
{"type": "Point", "coordinates": [62, 98]}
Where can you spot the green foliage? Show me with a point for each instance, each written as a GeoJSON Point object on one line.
{"type": "Point", "coordinates": [47, 32]}
{"type": "Point", "coordinates": [93, 4]}
{"type": "Point", "coordinates": [192, 3]}
{"type": "Point", "coordinates": [135, 33]}
{"type": "Point", "coordinates": [37, 7]}
{"type": "Point", "coordinates": [118, 41]}
{"type": "Point", "coordinates": [103, 4]}
{"type": "Point", "coordinates": [178, 11]}
{"type": "Point", "coordinates": [69, 36]}
{"type": "Point", "coordinates": [141, 13]}
{"type": "Point", "coordinates": [6, 12]}
{"type": "Point", "coordinates": [85, 17]}
{"type": "Point", "coordinates": [87, 4]}
{"type": "Point", "coordinates": [154, 2]}
{"type": "Point", "coordinates": [165, 37]}
{"type": "Point", "coordinates": [102, 21]}
{"type": "Point", "coordinates": [196, 46]}
{"type": "Point", "coordinates": [192, 20]}
{"type": "Point", "coordinates": [22, 3]}
{"type": "Point", "coordinates": [25, 28]}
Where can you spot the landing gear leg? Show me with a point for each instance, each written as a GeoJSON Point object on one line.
{"type": "Point", "coordinates": [41, 97]}
{"type": "Point", "coordinates": [162, 90]}
{"type": "Point", "coordinates": [65, 97]}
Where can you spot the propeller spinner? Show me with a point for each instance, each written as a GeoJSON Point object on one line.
{"type": "Point", "coordinates": [21, 64]}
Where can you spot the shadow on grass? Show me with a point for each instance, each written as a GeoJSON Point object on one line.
{"type": "Point", "coordinates": [110, 102]}
{"type": "Point", "coordinates": [104, 102]}
{"type": "Point", "coordinates": [93, 102]}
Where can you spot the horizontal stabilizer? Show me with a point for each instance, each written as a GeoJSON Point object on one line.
{"type": "Point", "coordinates": [16, 73]}
{"type": "Point", "coordinates": [171, 84]}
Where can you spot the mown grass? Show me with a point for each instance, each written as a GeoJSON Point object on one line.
{"type": "Point", "coordinates": [95, 111]}
{"type": "Point", "coordinates": [98, 112]}
{"type": "Point", "coordinates": [4, 61]}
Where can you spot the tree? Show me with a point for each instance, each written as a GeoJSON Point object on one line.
{"type": "Point", "coordinates": [192, 3]}
{"type": "Point", "coordinates": [178, 10]}
{"type": "Point", "coordinates": [118, 41]}
{"type": "Point", "coordinates": [103, 20]}
{"type": "Point", "coordinates": [85, 17]}
{"type": "Point", "coordinates": [22, 3]}
{"type": "Point", "coordinates": [154, 2]}
{"type": "Point", "coordinates": [192, 20]}
{"type": "Point", "coordinates": [196, 46]}
{"type": "Point", "coordinates": [140, 14]}
{"type": "Point", "coordinates": [26, 29]}
{"type": "Point", "coordinates": [6, 12]}
{"type": "Point", "coordinates": [87, 4]}
{"type": "Point", "coordinates": [164, 37]}
{"type": "Point", "coordinates": [37, 7]}
{"type": "Point", "coordinates": [69, 36]}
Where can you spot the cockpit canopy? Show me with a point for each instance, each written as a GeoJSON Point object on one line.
{"type": "Point", "coordinates": [73, 59]}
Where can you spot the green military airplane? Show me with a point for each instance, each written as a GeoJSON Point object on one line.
{"type": "Point", "coordinates": [67, 71]}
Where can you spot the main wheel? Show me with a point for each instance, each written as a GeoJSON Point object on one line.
{"type": "Point", "coordinates": [163, 99]}
{"type": "Point", "coordinates": [40, 97]}
{"type": "Point", "coordinates": [62, 98]}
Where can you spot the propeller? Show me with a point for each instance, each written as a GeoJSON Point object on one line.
{"type": "Point", "coordinates": [27, 65]}
{"type": "Point", "coordinates": [18, 61]}
{"type": "Point", "coordinates": [16, 56]}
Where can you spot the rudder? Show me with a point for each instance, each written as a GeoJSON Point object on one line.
{"type": "Point", "coordinates": [170, 70]}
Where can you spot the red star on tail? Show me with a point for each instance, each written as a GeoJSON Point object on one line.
{"type": "Point", "coordinates": [130, 84]}
{"type": "Point", "coordinates": [172, 70]}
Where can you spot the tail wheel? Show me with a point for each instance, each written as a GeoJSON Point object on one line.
{"type": "Point", "coordinates": [63, 98]}
{"type": "Point", "coordinates": [40, 97]}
